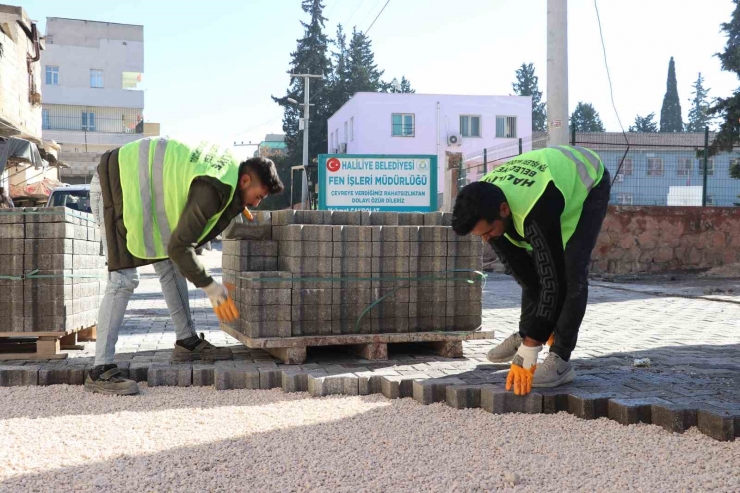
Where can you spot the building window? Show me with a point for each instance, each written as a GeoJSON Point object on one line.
{"type": "Point", "coordinates": [710, 167]}
{"type": "Point", "coordinates": [403, 124]}
{"type": "Point", "coordinates": [346, 132]}
{"type": "Point", "coordinates": [96, 78]}
{"type": "Point", "coordinates": [626, 169]}
{"type": "Point", "coordinates": [655, 166]}
{"type": "Point", "coordinates": [469, 126]}
{"type": "Point", "coordinates": [52, 75]}
{"type": "Point", "coordinates": [352, 128]}
{"type": "Point", "coordinates": [88, 121]}
{"type": "Point", "coordinates": [45, 120]}
{"type": "Point", "coordinates": [710, 199]}
{"type": "Point", "coordinates": [683, 167]}
{"type": "Point", "coordinates": [624, 199]}
{"type": "Point", "coordinates": [506, 127]}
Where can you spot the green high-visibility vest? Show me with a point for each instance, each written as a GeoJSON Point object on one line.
{"type": "Point", "coordinates": [574, 171]}
{"type": "Point", "coordinates": [156, 175]}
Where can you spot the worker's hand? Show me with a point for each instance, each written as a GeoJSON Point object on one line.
{"type": "Point", "coordinates": [520, 379]}
{"type": "Point", "coordinates": [223, 305]}
{"type": "Point", "coordinates": [248, 214]}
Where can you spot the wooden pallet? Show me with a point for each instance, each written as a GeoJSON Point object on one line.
{"type": "Point", "coordinates": [42, 345]}
{"type": "Point", "coordinates": [293, 350]}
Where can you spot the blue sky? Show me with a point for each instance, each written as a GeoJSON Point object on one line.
{"type": "Point", "coordinates": [210, 71]}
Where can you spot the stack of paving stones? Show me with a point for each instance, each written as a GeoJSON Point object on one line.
{"type": "Point", "coordinates": [58, 253]}
{"type": "Point", "coordinates": [316, 273]}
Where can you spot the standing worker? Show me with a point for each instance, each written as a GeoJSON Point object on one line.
{"type": "Point", "coordinates": [155, 201]}
{"type": "Point", "coordinates": [542, 213]}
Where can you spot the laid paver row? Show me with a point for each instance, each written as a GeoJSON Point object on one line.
{"type": "Point", "coordinates": [594, 397]}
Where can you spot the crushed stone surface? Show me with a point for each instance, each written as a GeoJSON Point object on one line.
{"type": "Point", "coordinates": [60, 438]}
{"type": "Point", "coordinates": [727, 270]}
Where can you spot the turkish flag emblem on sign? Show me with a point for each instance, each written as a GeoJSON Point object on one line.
{"type": "Point", "coordinates": [333, 165]}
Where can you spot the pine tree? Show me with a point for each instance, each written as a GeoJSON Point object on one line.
{"type": "Point", "coordinates": [363, 73]}
{"type": "Point", "coordinates": [527, 84]}
{"type": "Point", "coordinates": [699, 117]}
{"type": "Point", "coordinates": [644, 124]}
{"type": "Point", "coordinates": [339, 90]}
{"type": "Point", "coordinates": [311, 57]}
{"type": "Point", "coordinates": [728, 109]}
{"type": "Point", "coordinates": [670, 113]}
{"type": "Point", "coordinates": [586, 119]}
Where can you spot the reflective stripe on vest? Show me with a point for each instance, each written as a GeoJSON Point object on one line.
{"type": "Point", "coordinates": [586, 179]}
{"type": "Point", "coordinates": [146, 197]}
{"type": "Point", "coordinates": [158, 189]}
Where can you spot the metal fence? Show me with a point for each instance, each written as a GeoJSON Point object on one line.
{"type": "Point", "coordinates": [647, 169]}
{"type": "Point", "coordinates": [92, 119]}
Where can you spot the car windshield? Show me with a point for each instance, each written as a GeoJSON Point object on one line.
{"type": "Point", "coordinates": [75, 200]}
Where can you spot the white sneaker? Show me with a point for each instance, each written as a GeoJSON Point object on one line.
{"type": "Point", "coordinates": [504, 352]}
{"type": "Point", "coordinates": [553, 372]}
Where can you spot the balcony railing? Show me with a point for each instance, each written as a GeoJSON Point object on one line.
{"type": "Point", "coordinates": [93, 119]}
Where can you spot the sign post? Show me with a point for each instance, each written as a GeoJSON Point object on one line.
{"type": "Point", "coordinates": [378, 182]}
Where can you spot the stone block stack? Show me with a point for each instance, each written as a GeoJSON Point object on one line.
{"type": "Point", "coordinates": [56, 253]}
{"type": "Point", "coordinates": [317, 273]}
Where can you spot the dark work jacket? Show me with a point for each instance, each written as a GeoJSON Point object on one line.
{"type": "Point", "coordinates": [207, 196]}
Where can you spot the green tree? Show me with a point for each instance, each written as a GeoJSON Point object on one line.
{"type": "Point", "coordinates": [363, 73]}
{"type": "Point", "coordinates": [670, 112]}
{"type": "Point", "coordinates": [699, 117]}
{"type": "Point", "coordinates": [310, 57]}
{"type": "Point", "coordinates": [728, 109]}
{"type": "Point", "coordinates": [644, 124]}
{"type": "Point", "coordinates": [527, 84]}
{"type": "Point", "coordinates": [586, 119]}
{"type": "Point", "coordinates": [339, 89]}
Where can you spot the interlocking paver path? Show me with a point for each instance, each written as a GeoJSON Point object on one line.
{"type": "Point", "coordinates": [693, 346]}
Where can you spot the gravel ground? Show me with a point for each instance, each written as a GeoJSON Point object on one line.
{"type": "Point", "coordinates": [60, 438]}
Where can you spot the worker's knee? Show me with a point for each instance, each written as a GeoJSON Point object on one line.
{"type": "Point", "coordinates": [126, 280]}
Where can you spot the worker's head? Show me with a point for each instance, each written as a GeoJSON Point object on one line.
{"type": "Point", "coordinates": [481, 209]}
{"type": "Point", "coordinates": [258, 178]}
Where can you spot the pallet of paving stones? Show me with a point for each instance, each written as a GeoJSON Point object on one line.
{"type": "Point", "coordinates": [51, 273]}
{"type": "Point", "coordinates": [319, 278]}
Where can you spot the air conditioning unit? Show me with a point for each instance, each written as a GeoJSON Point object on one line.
{"type": "Point", "coordinates": [343, 148]}
{"type": "Point", "coordinates": [618, 178]}
{"type": "Point", "coordinates": [453, 140]}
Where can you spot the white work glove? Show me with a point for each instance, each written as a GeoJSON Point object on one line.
{"type": "Point", "coordinates": [223, 305]}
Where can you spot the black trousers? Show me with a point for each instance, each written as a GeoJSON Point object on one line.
{"type": "Point", "coordinates": [577, 261]}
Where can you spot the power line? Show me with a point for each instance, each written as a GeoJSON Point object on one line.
{"type": "Point", "coordinates": [611, 92]}
{"type": "Point", "coordinates": [253, 128]}
{"type": "Point", "coordinates": [376, 18]}
{"type": "Point", "coordinates": [356, 9]}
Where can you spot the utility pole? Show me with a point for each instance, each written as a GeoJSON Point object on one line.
{"type": "Point", "coordinates": [303, 124]}
{"type": "Point", "coordinates": [557, 72]}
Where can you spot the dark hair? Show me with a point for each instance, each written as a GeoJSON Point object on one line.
{"type": "Point", "coordinates": [476, 201]}
{"type": "Point", "coordinates": [265, 171]}
{"type": "Point", "coordinates": [2, 190]}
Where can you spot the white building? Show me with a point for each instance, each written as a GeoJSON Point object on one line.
{"type": "Point", "coordinates": [20, 98]}
{"type": "Point", "coordinates": [91, 72]}
{"type": "Point", "coordinates": [444, 125]}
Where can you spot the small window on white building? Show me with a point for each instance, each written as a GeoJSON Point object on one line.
{"type": "Point", "coordinates": [624, 198]}
{"type": "Point", "coordinates": [96, 78]}
{"type": "Point", "coordinates": [402, 124]}
{"type": "Point", "coordinates": [683, 167]}
{"type": "Point", "coordinates": [655, 166]}
{"type": "Point", "coordinates": [45, 120]}
{"type": "Point", "coordinates": [626, 169]}
{"type": "Point", "coordinates": [352, 128]}
{"type": "Point", "coordinates": [506, 127]}
{"type": "Point", "coordinates": [710, 167]}
{"type": "Point", "coordinates": [470, 126]}
{"type": "Point", "coordinates": [52, 75]}
{"type": "Point", "coordinates": [346, 132]}
{"type": "Point", "coordinates": [88, 121]}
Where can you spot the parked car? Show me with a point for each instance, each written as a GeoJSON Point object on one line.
{"type": "Point", "coordinates": [75, 197]}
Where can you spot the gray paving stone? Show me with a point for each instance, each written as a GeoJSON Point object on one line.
{"type": "Point", "coordinates": [589, 406]}
{"type": "Point", "coordinates": [716, 424]}
{"type": "Point", "coordinates": [497, 400]}
{"type": "Point", "coordinates": [463, 396]}
{"type": "Point", "coordinates": [292, 381]}
{"type": "Point", "coordinates": [319, 386]}
{"type": "Point", "coordinates": [369, 384]}
{"type": "Point", "coordinates": [632, 411]}
{"type": "Point", "coordinates": [672, 417]}
{"type": "Point", "coordinates": [179, 375]}
{"type": "Point", "coordinates": [346, 218]}
{"type": "Point", "coordinates": [270, 378]}
{"type": "Point", "coordinates": [397, 387]}
{"type": "Point", "coordinates": [233, 375]}
{"type": "Point", "coordinates": [139, 371]}
{"type": "Point", "coordinates": [433, 390]}
{"type": "Point", "coordinates": [13, 376]}
{"type": "Point", "coordinates": [203, 374]}
{"type": "Point", "coordinates": [57, 374]}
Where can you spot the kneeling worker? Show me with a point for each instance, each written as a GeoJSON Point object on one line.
{"type": "Point", "coordinates": [155, 201]}
{"type": "Point", "coordinates": [542, 213]}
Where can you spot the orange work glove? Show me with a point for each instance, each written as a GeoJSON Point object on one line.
{"type": "Point", "coordinates": [520, 379]}
{"type": "Point", "coordinates": [248, 215]}
{"type": "Point", "coordinates": [551, 340]}
{"type": "Point", "coordinates": [223, 305]}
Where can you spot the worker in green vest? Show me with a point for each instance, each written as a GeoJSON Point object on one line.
{"type": "Point", "coordinates": [541, 212]}
{"type": "Point", "coordinates": [155, 201]}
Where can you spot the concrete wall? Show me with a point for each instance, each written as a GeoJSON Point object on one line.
{"type": "Point", "coordinates": [661, 239]}
{"type": "Point", "coordinates": [373, 131]}
{"type": "Point", "coordinates": [15, 108]}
